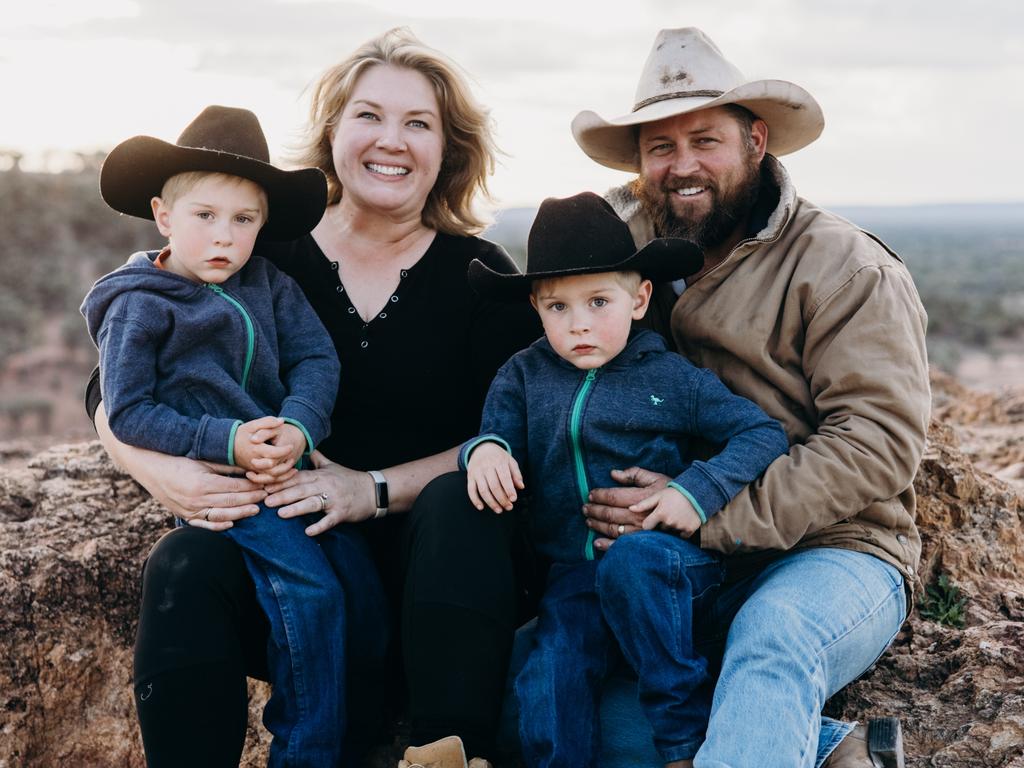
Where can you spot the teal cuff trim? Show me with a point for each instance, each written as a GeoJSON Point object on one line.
{"type": "Point", "coordinates": [485, 439]}
{"type": "Point", "coordinates": [231, 442]}
{"type": "Point", "coordinates": [305, 433]}
{"type": "Point", "coordinates": [688, 495]}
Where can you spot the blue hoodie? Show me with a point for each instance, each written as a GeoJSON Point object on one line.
{"type": "Point", "coordinates": [183, 364]}
{"type": "Point", "coordinates": [568, 428]}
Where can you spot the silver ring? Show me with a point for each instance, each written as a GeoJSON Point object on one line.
{"type": "Point", "coordinates": [323, 502]}
{"type": "Point", "coordinates": [621, 529]}
{"type": "Point", "coordinates": [206, 516]}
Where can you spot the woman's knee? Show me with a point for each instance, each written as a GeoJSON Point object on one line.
{"type": "Point", "coordinates": [444, 520]}
{"type": "Point", "coordinates": [189, 561]}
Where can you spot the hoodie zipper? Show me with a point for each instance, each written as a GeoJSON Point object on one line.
{"type": "Point", "coordinates": [250, 330]}
{"type": "Point", "coordinates": [577, 449]}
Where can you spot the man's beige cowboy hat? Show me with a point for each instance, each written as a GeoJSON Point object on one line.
{"type": "Point", "coordinates": [685, 72]}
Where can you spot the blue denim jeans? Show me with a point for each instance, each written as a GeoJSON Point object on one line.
{"type": "Point", "coordinates": [793, 635]}
{"type": "Point", "coordinates": [326, 609]}
{"type": "Point", "coordinates": [800, 630]}
{"type": "Point", "coordinates": [652, 585]}
{"type": "Point", "coordinates": [586, 617]}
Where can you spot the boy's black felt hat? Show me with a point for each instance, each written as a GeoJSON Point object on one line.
{"type": "Point", "coordinates": [582, 235]}
{"type": "Point", "coordinates": [219, 140]}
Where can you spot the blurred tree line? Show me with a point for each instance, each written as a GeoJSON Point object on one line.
{"type": "Point", "coordinates": [57, 236]}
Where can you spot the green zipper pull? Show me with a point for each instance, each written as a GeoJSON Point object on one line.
{"type": "Point", "coordinates": [249, 328]}
{"type": "Point", "coordinates": [577, 449]}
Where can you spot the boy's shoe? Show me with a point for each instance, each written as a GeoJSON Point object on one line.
{"type": "Point", "coordinates": [443, 753]}
{"type": "Point", "coordinates": [879, 744]}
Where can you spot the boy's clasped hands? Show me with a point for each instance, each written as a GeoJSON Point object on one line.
{"type": "Point", "coordinates": [494, 479]}
{"type": "Point", "coordinates": [268, 448]}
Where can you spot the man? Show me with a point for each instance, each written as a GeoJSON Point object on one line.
{"type": "Point", "coordinates": [820, 324]}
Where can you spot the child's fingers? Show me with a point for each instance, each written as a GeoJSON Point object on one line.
{"type": "Point", "coordinates": [474, 495]}
{"type": "Point", "coordinates": [653, 520]}
{"type": "Point", "coordinates": [498, 479]}
{"type": "Point", "coordinates": [264, 435]}
{"type": "Point", "coordinates": [261, 478]}
{"type": "Point", "coordinates": [517, 475]}
{"type": "Point", "coordinates": [486, 495]}
{"type": "Point", "coordinates": [645, 505]}
{"type": "Point", "coordinates": [271, 451]}
{"type": "Point", "coordinates": [507, 486]}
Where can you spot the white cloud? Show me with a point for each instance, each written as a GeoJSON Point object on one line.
{"type": "Point", "coordinates": [922, 98]}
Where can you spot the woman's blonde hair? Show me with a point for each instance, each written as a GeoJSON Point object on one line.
{"type": "Point", "coordinates": [469, 150]}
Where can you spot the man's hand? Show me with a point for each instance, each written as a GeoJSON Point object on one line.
{"type": "Point", "coordinates": [609, 512]}
{"type": "Point", "coordinates": [493, 478]}
{"type": "Point", "coordinates": [669, 509]}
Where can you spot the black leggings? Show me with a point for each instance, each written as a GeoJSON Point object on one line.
{"type": "Point", "coordinates": [468, 582]}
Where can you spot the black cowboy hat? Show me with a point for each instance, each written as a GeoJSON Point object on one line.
{"type": "Point", "coordinates": [219, 140]}
{"type": "Point", "coordinates": [582, 235]}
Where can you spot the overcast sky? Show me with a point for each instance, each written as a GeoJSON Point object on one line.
{"type": "Point", "coordinates": [923, 99]}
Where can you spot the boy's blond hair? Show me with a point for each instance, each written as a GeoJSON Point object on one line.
{"type": "Point", "coordinates": [629, 280]}
{"type": "Point", "coordinates": [181, 183]}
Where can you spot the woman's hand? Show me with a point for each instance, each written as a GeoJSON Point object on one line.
{"type": "Point", "coordinates": [203, 495]}
{"type": "Point", "coordinates": [608, 512]}
{"type": "Point", "coordinates": [349, 495]}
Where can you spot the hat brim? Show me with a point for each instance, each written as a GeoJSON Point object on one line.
{"type": "Point", "coordinates": [793, 117]}
{"type": "Point", "coordinates": [661, 260]}
{"type": "Point", "coordinates": [135, 171]}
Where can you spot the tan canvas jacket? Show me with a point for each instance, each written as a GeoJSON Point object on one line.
{"type": "Point", "coordinates": [820, 324]}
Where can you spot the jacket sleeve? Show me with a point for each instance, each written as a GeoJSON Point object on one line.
{"type": "Point", "coordinates": [309, 363]}
{"type": "Point", "coordinates": [504, 417]}
{"type": "Point", "coordinates": [127, 375]}
{"type": "Point", "coordinates": [750, 439]}
{"type": "Point", "coordinates": [865, 361]}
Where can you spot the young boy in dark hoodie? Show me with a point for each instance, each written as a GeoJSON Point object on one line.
{"type": "Point", "coordinates": [590, 397]}
{"type": "Point", "coordinates": [210, 352]}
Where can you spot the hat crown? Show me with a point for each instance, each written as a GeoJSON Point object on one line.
{"type": "Point", "coordinates": [227, 129]}
{"type": "Point", "coordinates": [684, 63]}
{"type": "Point", "coordinates": [581, 232]}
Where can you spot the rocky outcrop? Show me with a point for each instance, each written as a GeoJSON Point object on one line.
{"type": "Point", "coordinates": [960, 692]}
{"type": "Point", "coordinates": [74, 533]}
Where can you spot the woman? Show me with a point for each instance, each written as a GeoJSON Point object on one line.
{"type": "Point", "coordinates": [405, 149]}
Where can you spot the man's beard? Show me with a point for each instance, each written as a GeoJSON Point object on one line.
{"type": "Point", "coordinates": [728, 210]}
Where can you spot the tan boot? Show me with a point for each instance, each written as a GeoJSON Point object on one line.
{"type": "Point", "coordinates": [879, 744]}
{"type": "Point", "coordinates": [443, 753]}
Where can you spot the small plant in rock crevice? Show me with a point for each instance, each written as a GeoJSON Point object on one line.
{"type": "Point", "coordinates": [943, 603]}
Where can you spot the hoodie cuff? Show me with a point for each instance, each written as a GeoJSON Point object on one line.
{"type": "Point", "coordinates": [315, 425]}
{"type": "Point", "coordinates": [215, 440]}
{"type": "Point", "coordinates": [693, 501]}
{"type": "Point", "coordinates": [470, 445]}
{"type": "Point", "coordinates": [310, 445]}
{"type": "Point", "coordinates": [702, 490]}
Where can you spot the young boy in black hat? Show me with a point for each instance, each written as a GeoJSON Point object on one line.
{"type": "Point", "coordinates": [210, 352]}
{"type": "Point", "coordinates": [587, 398]}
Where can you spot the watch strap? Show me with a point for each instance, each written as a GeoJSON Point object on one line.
{"type": "Point", "coordinates": [380, 488]}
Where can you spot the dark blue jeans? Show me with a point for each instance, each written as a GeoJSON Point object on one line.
{"type": "Point", "coordinates": [310, 590]}
{"type": "Point", "coordinates": [587, 615]}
